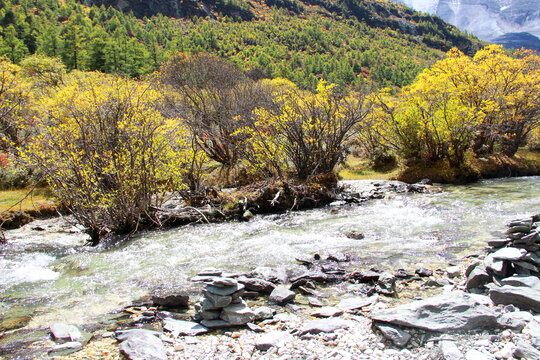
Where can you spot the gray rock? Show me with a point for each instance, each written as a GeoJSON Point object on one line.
{"type": "Point", "coordinates": [327, 311]}
{"type": "Point", "coordinates": [254, 327]}
{"type": "Point", "coordinates": [218, 301]}
{"type": "Point", "coordinates": [273, 275]}
{"type": "Point", "coordinates": [215, 324]}
{"type": "Point", "coordinates": [506, 352]}
{"type": "Point", "coordinates": [237, 314]}
{"type": "Point", "coordinates": [355, 303]}
{"type": "Point", "coordinates": [66, 348]}
{"type": "Point", "coordinates": [365, 276]}
{"type": "Point", "coordinates": [521, 228]}
{"type": "Point", "coordinates": [474, 354]}
{"type": "Point", "coordinates": [255, 284]}
{"type": "Point", "coordinates": [477, 278]}
{"type": "Point", "coordinates": [324, 325]}
{"type": "Point", "coordinates": [210, 272]}
{"type": "Point", "coordinates": [521, 222]}
{"type": "Point", "coordinates": [531, 238]}
{"type": "Point", "coordinates": [209, 314]}
{"type": "Point", "coordinates": [471, 267]}
{"type": "Point", "coordinates": [205, 305]}
{"type": "Point", "coordinates": [281, 295]}
{"type": "Point", "coordinates": [423, 272]}
{"type": "Point", "coordinates": [264, 312]}
{"type": "Point", "coordinates": [532, 257]}
{"type": "Point", "coordinates": [526, 265]}
{"type": "Point", "coordinates": [497, 266]}
{"type": "Point", "coordinates": [509, 253]}
{"type": "Point", "coordinates": [513, 320]}
{"type": "Point", "coordinates": [142, 345]}
{"type": "Point", "coordinates": [399, 337]}
{"type": "Point", "coordinates": [535, 342]}
{"type": "Point", "coordinates": [122, 335]}
{"type": "Point", "coordinates": [355, 235]}
{"type": "Point", "coordinates": [386, 284]}
{"type": "Point", "coordinates": [452, 311]}
{"type": "Point", "coordinates": [180, 300]}
{"type": "Point", "coordinates": [273, 339]}
{"type": "Point", "coordinates": [526, 351]}
{"type": "Point", "coordinates": [223, 282]}
{"type": "Point", "coordinates": [450, 351]}
{"type": "Point", "coordinates": [524, 298]}
{"type": "Point", "coordinates": [533, 329]}
{"type": "Point", "coordinates": [224, 291]}
{"type": "Point", "coordinates": [453, 271]}
{"type": "Point", "coordinates": [313, 301]}
{"type": "Point", "coordinates": [498, 243]}
{"type": "Point", "coordinates": [61, 331]}
{"type": "Point", "coordinates": [181, 327]}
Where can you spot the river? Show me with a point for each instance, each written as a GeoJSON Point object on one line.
{"type": "Point", "coordinates": [50, 275]}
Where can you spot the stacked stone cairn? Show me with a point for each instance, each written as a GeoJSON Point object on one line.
{"type": "Point", "coordinates": [511, 270]}
{"type": "Point", "coordinates": [222, 304]}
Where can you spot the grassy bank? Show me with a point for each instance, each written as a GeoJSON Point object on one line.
{"type": "Point", "coordinates": [20, 206]}
{"type": "Point", "coordinates": [525, 163]}
{"type": "Point", "coordinates": [356, 168]}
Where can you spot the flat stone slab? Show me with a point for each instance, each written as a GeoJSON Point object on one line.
{"type": "Point", "coordinates": [273, 339]}
{"type": "Point", "coordinates": [182, 327]}
{"type": "Point", "coordinates": [61, 331]}
{"type": "Point", "coordinates": [215, 324]}
{"type": "Point", "coordinates": [324, 326]}
{"type": "Point", "coordinates": [223, 282]}
{"type": "Point", "coordinates": [142, 345]}
{"type": "Point", "coordinates": [450, 351]}
{"type": "Point", "coordinates": [263, 313]}
{"type": "Point", "coordinates": [180, 300]}
{"type": "Point", "coordinates": [237, 314]}
{"type": "Point", "coordinates": [281, 295]}
{"type": "Point", "coordinates": [509, 253]}
{"type": "Point", "coordinates": [273, 275]}
{"type": "Point", "coordinates": [355, 303]}
{"type": "Point", "coordinates": [522, 297]}
{"type": "Point", "coordinates": [452, 311]}
{"type": "Point", "coordinates": [399, 337]}
{"type": "Point", "coordinates": [255, 284]}
{"type": "Point", "coordinates": [224, 291]}
{"type": "Point", "coordinates": [327, 311]}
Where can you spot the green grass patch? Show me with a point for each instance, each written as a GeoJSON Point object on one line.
{"type": "Point", "coordinates": [356, 168]}
{"type": "Point", "coordinates": [37, 200]}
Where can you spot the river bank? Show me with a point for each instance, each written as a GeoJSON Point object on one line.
{"type": "Point", "coordinates": [401, 230]}
{"type": "Point", "coordinates": [328, 312]}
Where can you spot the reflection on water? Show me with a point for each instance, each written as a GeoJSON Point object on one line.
{"type": "Point", "coordinates": [53, 277]}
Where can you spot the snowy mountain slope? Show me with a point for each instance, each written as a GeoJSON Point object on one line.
{"type": "Point", "coordinates": [487, 19]}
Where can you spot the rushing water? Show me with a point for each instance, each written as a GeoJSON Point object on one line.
{"type": "Point", "coordinates": [50, 276]}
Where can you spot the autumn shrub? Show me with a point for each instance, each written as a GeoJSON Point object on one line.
{"type": "Point", "coordinates": [108, 154]}
{"type": "Point", "coordinates": [486, 103]}
{"type": "Point", "coordinates": [306, 134]}
{"type": "Point", "coordinates": [215, 99]}
{"type": "Point", "coordinates": [15, 107]}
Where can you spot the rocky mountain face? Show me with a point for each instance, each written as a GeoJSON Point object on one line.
{"type": "Point", "coordinates": [490, 20]}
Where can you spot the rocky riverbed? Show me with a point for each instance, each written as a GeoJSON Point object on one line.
{"type": "Point", "coordinates": [330, 312]}
{"type": "Point", "coordinates": [351, 266]}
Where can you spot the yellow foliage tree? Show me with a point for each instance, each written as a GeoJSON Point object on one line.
{"type": "Point", "coordinates": [461, 102]}
{"type": "Point", "coordinates": [108, 154]}
{"type": "Point", "coordinates": [15, 100]}
{"type": "Point", "coordinates": [306, 134]}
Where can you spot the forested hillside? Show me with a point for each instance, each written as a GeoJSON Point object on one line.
{"type": "Point", "coordinates": [349, 43]}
